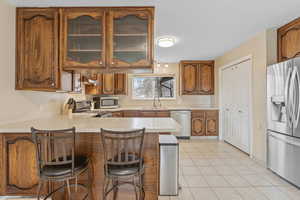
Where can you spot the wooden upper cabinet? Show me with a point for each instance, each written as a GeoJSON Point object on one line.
{"type": "Point", "coordinates": [108, 83]}
{"type": "Point", "coordinates": [197, 77]}
{"type": "Point", "coordinates": [37, 66]}
{"type": "Point", "coordinates": [120, 83]}
{"type": "Point", "coordinates": [82, 37]}
{"type": "Point", "coordinates": [189, 78]}
{"type": "Point", "coordinates": [94, 89]}
{"type": "Point", "coordinates": [206, 76]}
{"type": "Point", "coordinates": [130, 38]}
{"type": "Point", "coordinates": [288, 38]}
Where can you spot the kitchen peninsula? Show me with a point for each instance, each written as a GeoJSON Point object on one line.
{"type": "Point", "coordinates": [18, 162]}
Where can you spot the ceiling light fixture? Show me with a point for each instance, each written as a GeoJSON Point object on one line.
{"type": "Point", "coordinates": [166, 41]}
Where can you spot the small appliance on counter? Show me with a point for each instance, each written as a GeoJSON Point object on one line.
{"type": "Point", "coordinates": [79, 106]}
{"type": "Point", "coordinates": [108, 102]}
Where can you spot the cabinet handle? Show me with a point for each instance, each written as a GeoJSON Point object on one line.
{"type": "Point", "coordinates": [112, 63]}
{"type": "Point", "coordinates": [240, 111]}
{"type": "Point", "coordinates": [100, 62]}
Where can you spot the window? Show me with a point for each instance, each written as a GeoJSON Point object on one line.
{"type": "Point", "coordinates": [148, 87]}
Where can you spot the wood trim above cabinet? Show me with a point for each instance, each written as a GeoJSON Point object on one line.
{"type": "Point", "coordinates": [288, 41]}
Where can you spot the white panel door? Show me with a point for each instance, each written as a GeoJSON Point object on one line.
{"type": "Point", "coordinates": [235, 105]}
{"type": "Point", "coordinates": [227, 103]}
{"type": "Point", "coordinates": [244, 71]}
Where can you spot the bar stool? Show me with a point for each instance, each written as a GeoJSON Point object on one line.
{"type": "Point", "coordinates": [57, 162]}
{"type": "Point", "coordinates": [123, 161]}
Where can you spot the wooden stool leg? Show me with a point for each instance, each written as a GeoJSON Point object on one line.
{"type": "Point", "coordinates": [105, 186]}
{"type": "Point", "coordinates": [135, 189]}
{"type": "Point", "coordinates": [142, 191]}
{"type": "Point", "coordinates": [90, 183]}
{"type": "Point", "coordinates": [40, 186]}
{"type": "Point", "coordinates": [116, 189]}
{"type": "Point", "coordinates": [69, 189]}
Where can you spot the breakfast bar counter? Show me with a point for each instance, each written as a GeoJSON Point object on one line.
{"type": "Point", "coordinates": [18, 171]}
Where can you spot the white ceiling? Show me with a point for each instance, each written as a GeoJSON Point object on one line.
{"type": "Point", "coordinates": [205, 28]}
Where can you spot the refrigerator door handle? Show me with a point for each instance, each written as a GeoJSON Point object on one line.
{"type": "Point", "coordinates": [292, 96]}
{"type": "Point", "coordinates": [296, 92]}
{"type": "Point", "coordinates": [287, 97]}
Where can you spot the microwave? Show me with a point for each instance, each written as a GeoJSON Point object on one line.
{"type": "Point", "coordinates": [109, 102]}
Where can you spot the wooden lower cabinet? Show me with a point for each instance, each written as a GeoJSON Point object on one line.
{"type": "Point", "coordinates": [117, 114]}
{"type": "Point", "coordinates": [205, 123]}
{"type": "Point", "coordinates": [18, 169]}
{"type": "Point", "coordinates": [212, 123]}
{"type": "Point", "coordinates": [131, 113]}
{"type": "Point", "coordinates": [146, 113]}
{"type": "Point", "coordinates": [198, 123]}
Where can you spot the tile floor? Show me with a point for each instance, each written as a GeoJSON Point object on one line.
{"type": "Point", "coordinates": [214, 170]}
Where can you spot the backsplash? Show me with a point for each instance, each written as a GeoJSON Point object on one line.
{"type": "Point", "coordinates": [170, 68]}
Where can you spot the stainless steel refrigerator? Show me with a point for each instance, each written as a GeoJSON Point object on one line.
{"type": "Point", "coordinates": [283, 110]}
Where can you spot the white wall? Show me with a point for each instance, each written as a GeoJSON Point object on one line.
{"type": "Point", "coordinates": [19, 105]}
{"type": "Point", "coordinates": [262, 48]}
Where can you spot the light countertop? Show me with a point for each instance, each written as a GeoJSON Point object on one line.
{"type": "Point", "coordinates": [89, 124]}
{"type": "Point", "coordinates": [167, 107]}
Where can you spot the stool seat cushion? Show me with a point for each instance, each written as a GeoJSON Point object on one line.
{"type": "Point", "coordinates": [80, 163]}
{"type": "Point", "coordinates": [126, 170]}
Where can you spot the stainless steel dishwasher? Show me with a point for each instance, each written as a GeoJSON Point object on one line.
{"type": "Point", "coordinates": [183, 118]}
{"type": "Point", "coordinates": [169, 150]}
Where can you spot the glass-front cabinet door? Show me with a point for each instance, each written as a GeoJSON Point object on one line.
{"type": "Point", "coordinates": [130, 38]}
{"type": "Point", "coordinates": [83, 37]}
